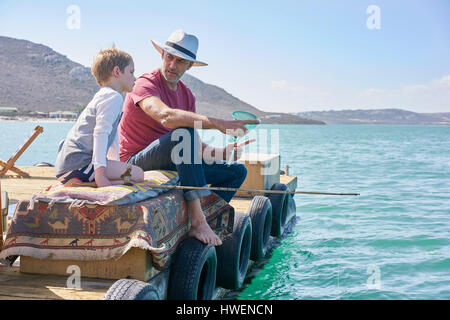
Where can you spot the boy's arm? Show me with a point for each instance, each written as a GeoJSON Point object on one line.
{"type": "Point", "coordinates": [107, 112]}
{"type": "Point", "coordinates": [100, 177]}
{"type": "Point", "coordinates": [113, 151]}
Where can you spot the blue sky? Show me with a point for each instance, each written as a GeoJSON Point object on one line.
{"type": "Point", "coordinates": [284, 56]}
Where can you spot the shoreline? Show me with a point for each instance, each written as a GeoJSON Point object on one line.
{"type": "Point", "coordinates": [56, 120]}
{"type": "Point", "coordinates": [31, 119]}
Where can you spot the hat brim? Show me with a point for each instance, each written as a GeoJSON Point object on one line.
{"type": "Point", "coordinates": [160, 48]}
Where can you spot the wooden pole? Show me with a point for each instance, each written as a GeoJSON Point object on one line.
{"type": "Point", "coordinates": [92, 184]}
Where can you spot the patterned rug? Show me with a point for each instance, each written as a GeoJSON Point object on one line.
{"type": "Point", "coordinates": [100, 232]}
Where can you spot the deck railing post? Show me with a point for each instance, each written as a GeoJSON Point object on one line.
{"type": "Point", "coordinates": [1, 217]}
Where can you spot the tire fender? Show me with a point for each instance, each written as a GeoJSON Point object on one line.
{"type": "Point", "coordinates": [193, 273]}
{"type": "Point", "coordinates": [234, 253]}
{"type": "Point", "coordinates": [130, 289]}
{"type": "Point", "coordinates": [280, 204]}
{"type": "Point", "coordinates": [260, 212]}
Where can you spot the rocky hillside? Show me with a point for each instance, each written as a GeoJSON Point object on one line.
{"type": "Point", "coordinates": [35, 77]}
{"type": "Point", "coordinates": [378, 116]}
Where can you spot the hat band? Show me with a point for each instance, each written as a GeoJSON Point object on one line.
{"type": "Point", "coordinates": [179, 48]}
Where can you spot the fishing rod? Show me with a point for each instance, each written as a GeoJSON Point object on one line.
{"type": "Point", "coordinates": [93, 184]}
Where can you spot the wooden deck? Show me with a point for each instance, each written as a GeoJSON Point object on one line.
{"type": "Point", "coordinates": [41, 177]}
{"type": "Point", "coordinates": [16, 285]}
{"type": "Point", "coordinates": [19, 188]}
{"type": "Point", "coordinates": [19, 286]}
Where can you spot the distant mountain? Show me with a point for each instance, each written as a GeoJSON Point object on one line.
{"type": "Point", "coordinates": [214, 101]}
{"type": "Point", "coordinates": [35, 77]}
{"type": "Point", "coordinates": [378, 116]}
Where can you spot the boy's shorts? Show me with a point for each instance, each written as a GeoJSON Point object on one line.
{"type": "Point", "coordinates": [85, 174]}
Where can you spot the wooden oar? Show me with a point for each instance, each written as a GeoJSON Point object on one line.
{"type": "Point", "coordinates": [94, 185]}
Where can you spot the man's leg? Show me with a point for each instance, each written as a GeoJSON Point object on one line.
{"type": "Point", "coordinates": [159, 155]}
{"type": "Point", "coordinates": [226, 175]}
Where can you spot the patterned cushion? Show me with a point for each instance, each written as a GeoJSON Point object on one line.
{"type": "Point", "coordinates": [112, 195]}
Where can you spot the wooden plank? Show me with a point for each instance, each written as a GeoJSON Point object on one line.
{"type": "Point", "coordinates": [289, 181]}
{"type": "Point", "coordinates": [19, 188]}
{"type": "Point", "coordinates": [26, 291]}
{"type": "Point", "coordinates": [136, 263]}
{"type": "Point", "coordinates": [240, 204]}
{"type": "Point", "coordinates": [16, 285]}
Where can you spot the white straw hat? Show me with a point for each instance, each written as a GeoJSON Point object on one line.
{"type": "Point", "coordinates": [182, 45]}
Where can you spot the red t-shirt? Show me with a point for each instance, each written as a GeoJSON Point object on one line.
{"type": "Point", "coordinates": [137, 129]}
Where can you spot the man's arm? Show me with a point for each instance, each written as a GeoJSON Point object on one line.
{"type": "Point", "coordinates": [176, 118]}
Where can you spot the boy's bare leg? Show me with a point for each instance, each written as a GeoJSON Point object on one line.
{"type": "Point", "coordinates": [74, 180]}
{"type": "Point", "coordinates": [116, 182]}
{"type": "Point", "coordinates": [115, 170]}
{"type": "Point", "coordinates": [200, 229]}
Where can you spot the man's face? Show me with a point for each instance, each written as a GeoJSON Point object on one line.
{"type": "Point", "coordinates": [174, 67]}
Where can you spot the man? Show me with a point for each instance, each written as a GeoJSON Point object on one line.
{"type": "Point", "coordinates": [160, 111]}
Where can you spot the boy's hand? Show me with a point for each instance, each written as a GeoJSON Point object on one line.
{"type": "Point", "coordinates": [100, 178]}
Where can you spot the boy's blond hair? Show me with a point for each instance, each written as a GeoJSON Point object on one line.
{"type": "Point", "coordinates": [106, 60]}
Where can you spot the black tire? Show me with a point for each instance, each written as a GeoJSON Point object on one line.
{"type": "Point", "coordinates": [280, 203]}
{"type": "Point", "coordinates": [193, 274]}
{"type": "Point", "coordinates": [43, 164]}
{"type": "Point", "coordinates": [260, 212]}
{"type": "Point", "coordinates": [234, 254]}
{"type": "Point", "coordinates": [292, 208]}
{"type": "Point", "coordinates": [130, 289]}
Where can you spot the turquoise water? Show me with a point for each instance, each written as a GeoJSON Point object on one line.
{"type": "Point", "coordinates": [392, 242]}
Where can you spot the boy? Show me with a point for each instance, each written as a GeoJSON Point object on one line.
{"type": "Point", "coordinates": [83, 155]}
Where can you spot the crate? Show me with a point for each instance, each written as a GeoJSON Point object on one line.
{"type": "Point", "coordinates": [263, 170]}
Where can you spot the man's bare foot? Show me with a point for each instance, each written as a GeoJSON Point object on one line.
{"type": "Point", "coordinates": [203, 232]}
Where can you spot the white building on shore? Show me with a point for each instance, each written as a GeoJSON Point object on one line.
{"type": "Point", "coordinates": [63, 114]}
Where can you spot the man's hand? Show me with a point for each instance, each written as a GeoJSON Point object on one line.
{"type": "Point", "coordinates": [237, 148]}
{"type": "Point", "coordinates": [235, 128]}
{"type": "Point", "coordinates": [100, 178]}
